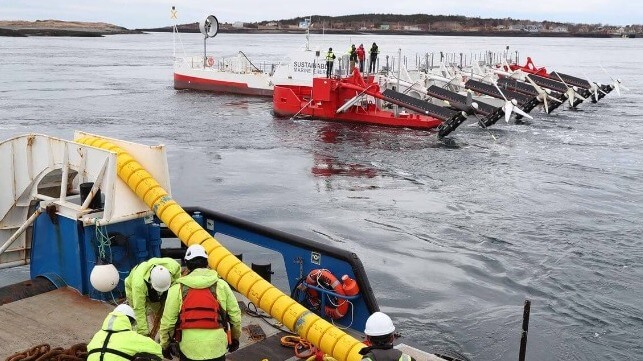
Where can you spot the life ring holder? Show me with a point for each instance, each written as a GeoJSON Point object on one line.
{"type": "Point", "coordinates": [324, 292]}
{"type": "Point", "coordinates": [210, 61]}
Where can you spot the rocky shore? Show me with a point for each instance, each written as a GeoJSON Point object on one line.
{"type": "Point", "coordinates": [61, 28]}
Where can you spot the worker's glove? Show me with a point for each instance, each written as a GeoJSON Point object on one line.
{"type": "Point", "coordinates": [234, 345]}
{"type": "Point", "coordinates": [146, 356]}
{"type": "Point", "coordinates": [170, 351]}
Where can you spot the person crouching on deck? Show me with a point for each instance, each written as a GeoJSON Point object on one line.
{"type": "Point", "coordinates": [145, 289]}
{"type": "Point", "coordinates": [196, 313]}
{"type": "Point", "coordinates": [116, 340]}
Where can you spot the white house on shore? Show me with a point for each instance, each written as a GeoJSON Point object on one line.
{"type": "Point", "coordinates": [559, 29]}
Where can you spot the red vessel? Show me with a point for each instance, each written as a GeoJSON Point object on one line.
{"type": "Point", "coordinates": [530, 68]}
{"type": "Point", "coordinates": [352, 100]}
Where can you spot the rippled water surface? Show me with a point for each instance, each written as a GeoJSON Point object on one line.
{"type": "Point", "coordinates": [454, 235]}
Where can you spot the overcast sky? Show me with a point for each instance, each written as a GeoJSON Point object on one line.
{"type": "Point", "coordinates": [154, 13]}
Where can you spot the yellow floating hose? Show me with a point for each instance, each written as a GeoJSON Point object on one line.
{"type": "Point", "coordinates": [280, 306]}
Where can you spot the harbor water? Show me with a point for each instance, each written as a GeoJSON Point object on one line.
{"type": "Point", "coordinates": [455, 234]}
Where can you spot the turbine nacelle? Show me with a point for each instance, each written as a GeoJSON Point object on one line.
{"type": "Point", "coordinates": [543, 94]}
{"type": "Point", "coordinates": [511, 106]}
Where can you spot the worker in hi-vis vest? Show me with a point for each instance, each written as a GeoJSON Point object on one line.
{"type": "Point", "coordinates": [146, 288]}
{"type": "Point", "coordinates": [330, 60]}
{"type": "Point", "coordinates": [116, 340]}
{"type": "Point", "coordinates": [199, 311]}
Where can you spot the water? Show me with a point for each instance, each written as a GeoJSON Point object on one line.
{"type": "Point", "coordinates": [454, 235]}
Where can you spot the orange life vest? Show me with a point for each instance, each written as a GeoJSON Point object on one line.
{"type": "Point", "coordinates": [200, 310]}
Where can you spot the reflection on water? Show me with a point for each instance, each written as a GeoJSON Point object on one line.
{"type": "Point", "coordinates": [325, 166]}
{"type": "Point", "coordinates": [328, 165]}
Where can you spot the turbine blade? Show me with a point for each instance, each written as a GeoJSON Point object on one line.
{"type": "Point", "coordinates": [606, 73]}
{"type": "Point", "coordinates": [561, 79]}
{"type": "Point", "coordinates": [521, 112]}
{"type": "Point", "coordinates": [508, 109]}
{"type": "Point", "coordinates": [554, 99]}
{"type": "Point", "coordinates": [501, 93]}
{"type": "Point", "coordinates": [546, 105]}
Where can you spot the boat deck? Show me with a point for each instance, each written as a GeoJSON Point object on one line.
{"type": "Point", "coordinates": [64, 317]}
{"type": "Point", "coordinates": [60, 318]}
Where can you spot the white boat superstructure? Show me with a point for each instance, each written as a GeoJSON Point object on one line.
{"type": "Point", "coordinates": [240, 75]}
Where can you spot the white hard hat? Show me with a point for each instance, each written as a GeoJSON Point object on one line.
{"type": "Point", "coordinates": [104, 277]}
{"type": "Point", "coordinates": [160, 278]}
{"type": "Point", "coordinates": [379, 324]}
{"type": "Point", "coordinates": [126, 310]}
{"type": "Point", "coordinates": [194, 251]}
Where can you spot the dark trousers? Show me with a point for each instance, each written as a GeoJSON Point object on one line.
{"type": "Point", "coordinates": [371, 68]}
{"type": "Point", "coordinates": [361, 65]}
{"type": "Point", "coordinates": [183, 358]}
{"type": "Point", "coordinates": [329, 69]}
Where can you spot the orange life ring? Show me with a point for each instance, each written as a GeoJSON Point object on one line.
{"type": "Point", "coordinates": [335, 308]}
{"type": "Point", "coordinates": [210, 61]}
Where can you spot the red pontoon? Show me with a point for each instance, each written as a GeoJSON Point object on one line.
{"type": "Point", "coordinates": [355, 100]}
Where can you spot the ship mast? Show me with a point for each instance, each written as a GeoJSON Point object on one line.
{"type": "Point", "coordinates": [308, 24]}
{"type": "Point", "coordinates": [175, 30]}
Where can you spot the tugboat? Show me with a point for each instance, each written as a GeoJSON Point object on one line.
{"type": "Point", "coordinates": [354, 99]}
{"type": "Point", "coordinates": [83, 213]}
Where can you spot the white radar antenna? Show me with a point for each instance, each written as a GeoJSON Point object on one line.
{"type": "Point", "coordinates": [209, 28]}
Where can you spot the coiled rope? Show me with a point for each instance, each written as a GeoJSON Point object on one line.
{"type": "Point", "coordinates": [45, 352]}
{"type": "Point", "coordinates": [303, 348]}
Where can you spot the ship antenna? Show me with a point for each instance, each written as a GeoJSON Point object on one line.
{"type": "Point", "coordinates": [209, 28]}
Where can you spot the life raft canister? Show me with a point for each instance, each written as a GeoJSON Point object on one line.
{"type": "Point", "coordinates": [200, 309]}
{"type": "Point", "coordinates": [336, 307]}
{"type": "Point", "coordinates": [210, 61]}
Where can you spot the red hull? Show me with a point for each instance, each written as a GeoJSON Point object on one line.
{"type": "Point", "coordinates": [189, 82]}
{"type": "Point", "coordinates": [328, 95]}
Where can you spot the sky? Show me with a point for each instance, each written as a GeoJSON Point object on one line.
{"type": "Point", "coordinates": [156, 13]}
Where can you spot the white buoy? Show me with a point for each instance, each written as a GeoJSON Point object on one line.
{"type": "Point", "coordinates": [104, 277]}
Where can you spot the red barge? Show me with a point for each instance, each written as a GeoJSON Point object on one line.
{"type": "Point", "coordinates": [354, 99]}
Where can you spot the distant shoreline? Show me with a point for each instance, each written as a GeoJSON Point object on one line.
{"type": "Point", "coordinates": [42, 29]}
{"type": "Point", "coordinates": [398, 32]}
{"type": "Point", "coordinates": [61, 32]}
{"type": "Point", "coordinates": [20, 28]}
